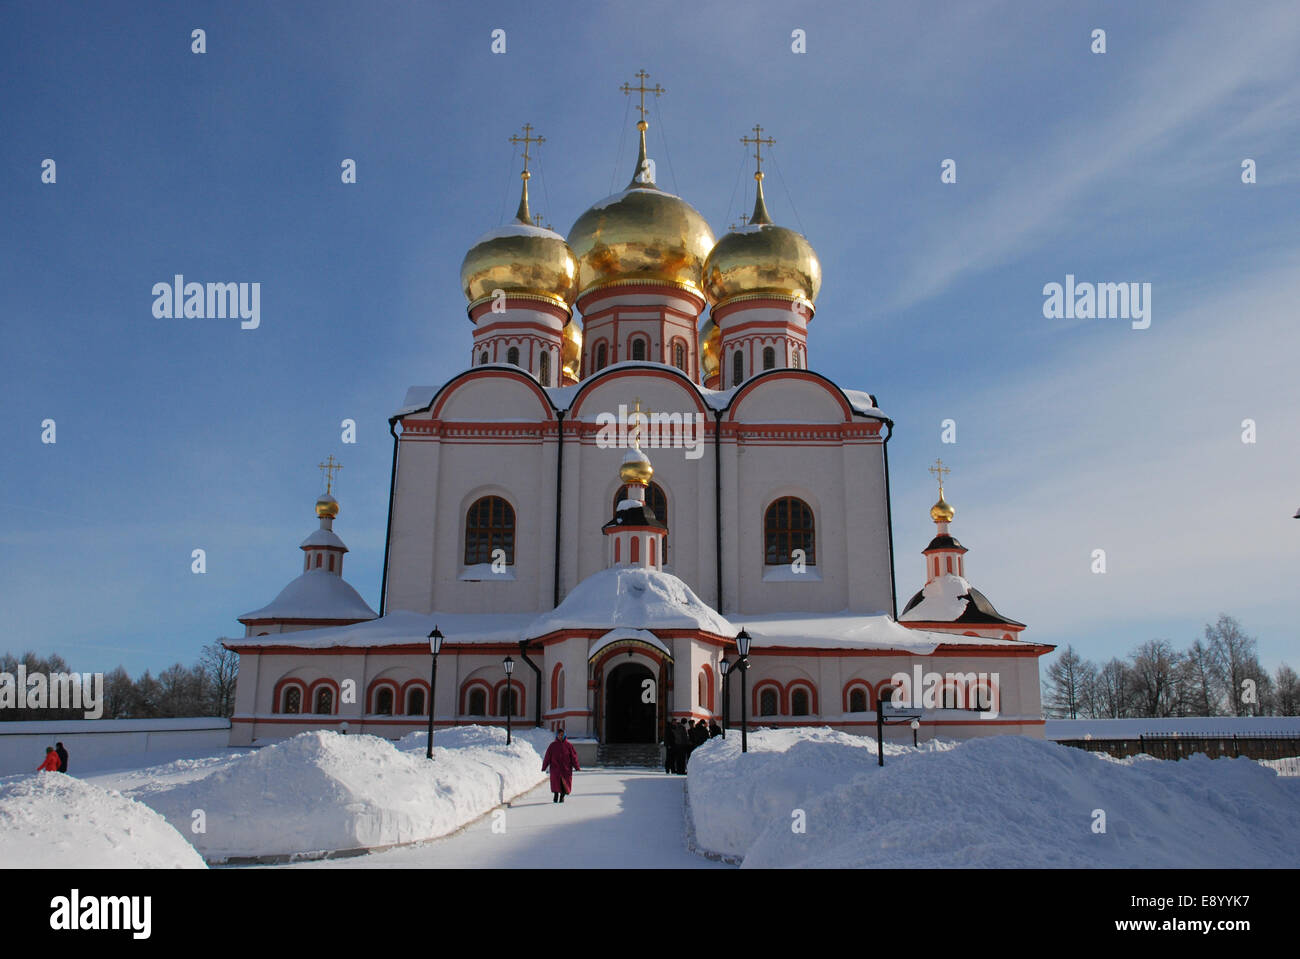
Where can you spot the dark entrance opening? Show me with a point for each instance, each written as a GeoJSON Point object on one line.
{"type": "Point", "coordinates": [627, 718]}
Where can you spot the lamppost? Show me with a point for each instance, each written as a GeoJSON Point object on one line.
{"type": "Point", "coordinates": [916, 724]}
{"type": "Point", "coordinates": [742, 646]}
{"type": "Point", "coordinates": [509, 665]}
{"type": "Point", "coordinates": [726, 696]}
{"type": "Point", "coordinates": [435, 647]}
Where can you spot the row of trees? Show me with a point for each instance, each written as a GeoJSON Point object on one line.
{"type": "Point", "coordinates": [1218, 675]}
{"type": "Point", "coordinates": [205, 689]}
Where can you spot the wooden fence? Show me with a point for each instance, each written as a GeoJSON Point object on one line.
{"type": "Point", "coordinates": [1180, 746]}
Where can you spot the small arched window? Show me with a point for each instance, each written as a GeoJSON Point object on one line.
{"type": "Point", "coordinates": [331, 562]}
{"type": "Point", "coordinates": [318, 560]}
{"type": "Point", "coordinates": [324, 701]}
{"type": "Point", "coordinates": [737, 368]}
{"type": "Point", "coordinates": [415, 702]}
{"type": "Point", "coordinates": [384, 701]}
{"type": "Point", "coordinates": [544, 367]}
{"type": "Point", "coordinates": [799, 702]}
{"type": "Point", "coordinates": [293, 700]}
{"type": "Point", "coordinates": [602, 356]}
{"type": "Point", "coordinates": [857, 700]}
{"type": "Point", "coordinates": [767, 702]}
{"type": "Point", "coordinates": [769, 358]}
{"type": "Point", "coordinates": [509, 702]}
{"type": "Point", "coordinates": [787, 526]}
{"type": "Point", "coordinates": [679, 357]}
{"type": "Point", "coordinates": [489, 525]}
{"type": "Point", "coordinates": [477, 702]}
{"type": "Point", "coordinates": [512, 356]}
{"type": "Point", "coordinates": [796, 360]}
{"type": "Point", "coordinates": [638, 348]}
{"type": "Point", "coordinates": [483, 358]}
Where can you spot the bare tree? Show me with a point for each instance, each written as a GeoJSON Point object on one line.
{"type": "Point", "coordinates": [1155, 676]}
{"type": "Point", "coordinates": [1286, 691]}
{"type": "Point", "coordinates": [1068, 678]}
{"type": "Point", "coordinates": [1236, 663]}
{"type": "Point", "coordinates": [221, 668]}
{"type": "Point", "coordinates": [1203, 691]}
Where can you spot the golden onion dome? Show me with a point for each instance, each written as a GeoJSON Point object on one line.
{"type": "Point", "coordinates": [710, 344]}
{"type": "Point", "coordinates": [636, 468]}
{"type": "Point", "coordinates": [942, 512]}
{"type": "Point", "coordinates": [762, 258]}
{"type": "Point", "coordinates": [522, 259]}
{"type": "Point", "coordinates": [327, 507]}
{"type": "Point", "coordinates": [641, 235]}
{"type": "Point", "coordinates": [571, 354]}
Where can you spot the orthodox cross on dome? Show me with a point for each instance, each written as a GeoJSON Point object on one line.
{"type": "Point", "coordinates": [744, 219]}
{"type": "Point", "coordinates": [527, 140]}
{"type": "Point", "coordinates": [760, 216]}
{"type": "Point", "coordinates": [939, 470]}
{"type": "Point", "coordinates": [642, 89]}
{"type": "Point", "coordinates": [328, 468]}
{"type": "Point", "coordinates": [634, 428]}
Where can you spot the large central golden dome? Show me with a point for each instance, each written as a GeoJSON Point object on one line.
{"type": "Point", "coordinates": [642, 234]}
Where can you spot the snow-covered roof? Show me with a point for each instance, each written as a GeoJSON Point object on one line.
{"type": "Point", "coordinates": [632, 598]}
{"type": "Point", "coordinates": [563, 397]}
{"type": "Point", "coordinates": [316, 594]}
{"type": "Point", "coordinates": [848, 630]}
{"type": "Point", "coordinates": [323, 537]}
{"type": "Point", "coordinates": [403, 628]}
{"type": "Point", "coordinates": [623, 635]}
{"type": "Point", "coordinates": [944, 599]}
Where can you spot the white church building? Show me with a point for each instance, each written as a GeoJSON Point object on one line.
{"type": "Point", "coordinates": [638, 463]}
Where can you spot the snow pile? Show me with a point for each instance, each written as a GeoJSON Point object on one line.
{"type": "Point", "coordinates": [53, 821]}
{"type": "Point", "coordinates": [1004, 801]}
{"type": "Point", "coordinates": [322, 791]}
{"type": "Point", "coordinates": [624, 597]}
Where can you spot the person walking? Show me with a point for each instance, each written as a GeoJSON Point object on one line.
{"type": "Point", "coordinates": [562, 759]}
{"type": "Point", "coordinates": [63, 757]}
{"type": "Point", "coordinates": [51, 763]}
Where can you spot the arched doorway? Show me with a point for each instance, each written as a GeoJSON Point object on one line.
{"type": "Point", "coordinates": [628, 718]}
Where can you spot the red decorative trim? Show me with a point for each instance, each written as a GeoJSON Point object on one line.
{"type": "Point", "coordinates": [467, 687]}
{"type": "Point", "coordinates": [405, 696]}
{"type": "Point", "coordinates": [496, 697]}
{"type": "Point", "coordinates": [277, 698]}
{"type": "Point", "coordinates": [674, 377]}
{"type": "Point", "coordinates": [556, 686]}
{"type": "Point", "coordinates": [372, 695]}
{"type": "Point", "coordinates": [755, 695]}
{"type": "Point", "coordinates": [719, 313]}
{"type": "Point", "coordinates": [802, 375]}
{"type": "Point", "coordinates": [478, 373]}
{"type": "Point", "coordinates": [312, 696]}
{"type": "Point", "coordinates": [847, 692]}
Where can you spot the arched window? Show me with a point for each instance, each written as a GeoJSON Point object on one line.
{"type": "Point", "coordinates": [292, 700]}
{"type": "Point", "coordinates": [799, 702]}
{"type": "Point", "coordinates": [769, 358]}
{"type": "Point", "coordinates": [767, 702]}
{"type": "Point", "coordinates": [477, 702]}
{"type": "Point", "coordinates": [857, 700]}
{"type": "Point", "coordinates": [557, 687]}
{"type": "Point", "coordinates": [737, 368]}
{"type": "Point", "coordinates": [384, 701]}
{"type": "Point", "coordinates": [679, 357]}
{"type": "Point", "coordinates": [415, 702]}
{"type": "Point", "coordinates": [318, 560]}
{"type": "Point", "coordinates": [509, 702]}
{"type": "Point", "coordinates": [324, 701]}
{"type": "Point", "coordinates": [489, 525]}
{"type": "Point", "coordinates": [702, 689]}
{"type": "Point", "coordinates": [787, 526]}
{"type": "Point", "coordinates": [950, 564]}
{"type": "Point", "coordinates": [512, 356]}
{"type": "Point", "coordinates": [796, 360]}
{"type": "Point", "coordinates": [638, 348]}
{"type": "Point", "coordinates": [331, 562]}
{"type": "Point", "coordinates": [602, 356]}
{"type": "Point", "coordinates": [544, 367]}
{"type": "Point", "coordinates": [483, 358]}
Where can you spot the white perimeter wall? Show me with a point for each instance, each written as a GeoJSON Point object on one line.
{"type": "Point", "coordinates": [96, 744]}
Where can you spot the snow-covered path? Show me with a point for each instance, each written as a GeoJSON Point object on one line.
{"type": "Point", "coordinates": [616, 818]}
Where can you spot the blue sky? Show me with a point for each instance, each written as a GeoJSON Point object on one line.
{"type": "Point", "coordinates": [1073, 435]}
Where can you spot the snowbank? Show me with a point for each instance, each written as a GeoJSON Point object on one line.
{"type": "Point", "coordinates": [1004, 801]}
{"type": "Point", "coordinates": [322, 791]}
{"type": "Point", "coordinates": [53, 821]}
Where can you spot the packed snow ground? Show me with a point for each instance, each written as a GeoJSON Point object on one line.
{"type": "Point", "coordinates": [53, 821]}
{"type": "Point", "coordinates": [1004, 801]}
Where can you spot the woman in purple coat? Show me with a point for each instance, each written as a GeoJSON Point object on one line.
{"type": "Point", "coordinates": [562, 759]}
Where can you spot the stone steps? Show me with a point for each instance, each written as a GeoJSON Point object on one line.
{"type": "Point", "coordinates": [629, 754]}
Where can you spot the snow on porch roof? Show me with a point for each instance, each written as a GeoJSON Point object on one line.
{"type": "Point", "coordinates": [402, 628]}
{"type": "Point", "coordinates": [615, 636]}
{"type": "Point", "coordinates": [631, 598]}
{"type": "Point", "coordinates": [847, 630]}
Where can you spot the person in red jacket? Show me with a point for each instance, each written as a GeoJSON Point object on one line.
{"type": "Point", "coordinates": [562, 759]}
{"type": "Point", "coordinates": [51, 763]}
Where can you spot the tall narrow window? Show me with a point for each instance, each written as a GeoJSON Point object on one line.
{"type": "Point", "coordinates": [489, 525]}
{"type": "Point", "coordinates": [767, 702]}
{"type": "Point", "coordinates": [769, 358]}
{"type": "Point", "coordinates": [512, 356]}
{"type": "Point", "coordinates": [324, 701]}
{"type": "Point", "coordinates": [797, 360]}
{"type": "Point", "coordinates": [679, 357]}
{"type": "Point", "coordinates": [544, 367]}
{"type": "Point", "coordinates": [509, 702]}
{"type": "Point", "coordinates": [415, 702]}
{"type": "Point", "coordinates": [857, 700]}
{"type": "Point", "coordinates": [788, 526]}
{"type": "Point", "coordinates": [384, 701]}
{"type": "Point", "coordinates": [638, 349]}
{"type": "Point", "coordinates": [293, 700]}
{"type": "Point", "coordinates": [737, 368]}
{"type": "Point", "coordinates": [602, 356]}
{"type": "Point", "coordinates": [483, 358]}
{"type": "Point", "coordinates": [799, 702]}
{"type": "Point", "coordinates": [477, 702]}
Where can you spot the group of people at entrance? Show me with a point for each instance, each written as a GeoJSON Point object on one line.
{"type": "Point", "coordinates": [681, 738]}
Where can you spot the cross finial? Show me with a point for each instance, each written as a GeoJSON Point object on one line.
{"type": "Point", "coordinates": [758, 140]}
{"type": "Point", "coordinates": [527, 140]}
{"type": "Point", "coordinates": [939, 470]}
{"type": "Point", "coordinates": [638, 416]}
{"type": "Point", "coordinates": [328, 468]}
{"type": "Point", "coordinates": [744, 219]}
{"type": "Point", "coordinates": [642, 89]}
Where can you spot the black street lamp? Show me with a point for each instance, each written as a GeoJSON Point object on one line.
{"type": "Point", "coordinates": [726, 696]}
{"type": "Point", "coordinates": [435, 647]}
{"type": "Point", "coordinates": [742, 646]}
{"type": "Point", "coordinates": [509, 665]}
